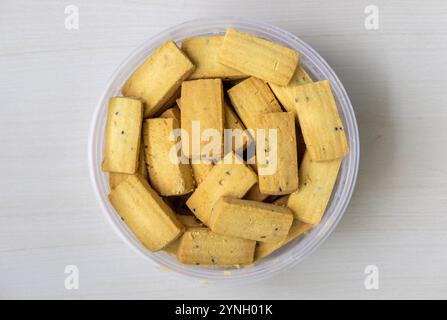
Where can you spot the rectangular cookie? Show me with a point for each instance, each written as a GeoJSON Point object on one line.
{"type": "Point", "coordinates": [229, 177]}
{"type": "Point", "coordinates": [157, 79]}
{"type": "Point", "coordinates": [300, 144]}
{"type": "Point", "coordinates": [320, 122]}
{"type": "Point", "coordinates": [123, 135]}
{"type": "Point", "coordinates": [152, 221]}
{"type": "Point", "coordinates": [297, 229]}
{"type": "Point", "coordinates": [255, 194]}
{"type": "Point", "coordinates": [278, 171]}
{"type": "Point", "coordinates": [285, 96]}
{"type": "Point", "coordinates": [116, 178]}
{"type": "Point", "coordinates": [170, 103]}
{"type": "Point", "coordinates": [251, 220]}
{"type": "Point", "coordinates": [173, 113]}
{"type": "Point", "coordinates": [258, 57]}
{"type": "Point", "coordinates": [232, 121]}
{"type": "Point", "coordinates": [281, 201]}
{"type": "Point", "coordinates": [200, 170]}
{"type": "Point", "coordinates": [317, 180]}
{"type": "Point", "coordinates": [240, 138]}
{"type": "Point", "coordinates": [285, 93]}
{"type": "Point", "coordinates": [201, 104]}
{"type": "Point", "coordinates": [166, 176]}
{"type": "Point", "coordinates": [250, 98]}
{"type": "Point", "coordinates": [189, 221]}
{"type": "Point", "coordinates": [201, 246]}
{"type": "Point", "coordinates": [203, 52]}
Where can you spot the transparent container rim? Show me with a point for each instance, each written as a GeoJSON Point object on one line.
{"type": "Point", "coordinates": [339, 91]}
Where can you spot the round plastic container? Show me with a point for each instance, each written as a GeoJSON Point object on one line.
{"type": "Point", "coordinates": [295, 251]}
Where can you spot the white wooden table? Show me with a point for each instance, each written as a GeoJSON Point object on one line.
{"type": "Point", "coordinates": [51, 79]}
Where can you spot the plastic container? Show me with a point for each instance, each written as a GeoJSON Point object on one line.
{"type": "Point", "coordinates": [296, 250]}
